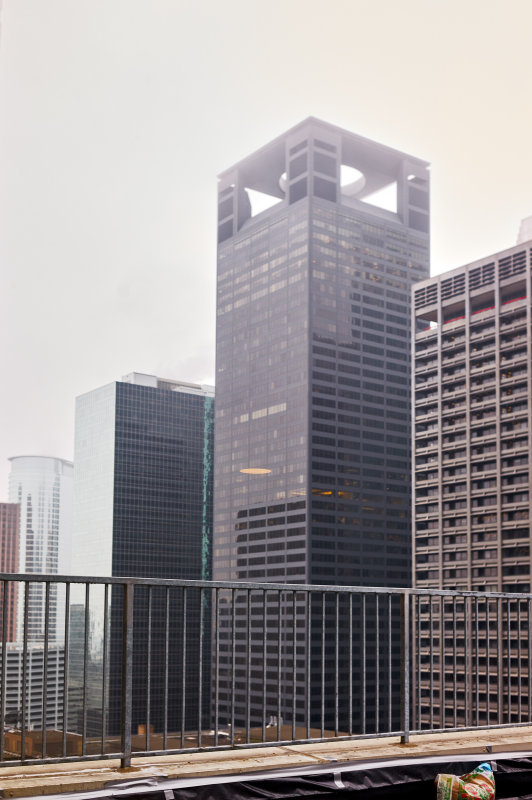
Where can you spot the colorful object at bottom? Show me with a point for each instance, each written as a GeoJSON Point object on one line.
{"type": "Point", "coordinates": [476, 785]}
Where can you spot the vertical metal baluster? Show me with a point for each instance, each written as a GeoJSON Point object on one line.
{"type": "Point", "coordinates": [148, 671]}
{"type": "Point", "coordinates": [5, 594]}
{"type": "Point", "coordinates": [350, 711]}
{"type": "Point", "coordinates": [377, 665]}
{"type": "Point", "coordinates": [309, 663]}
{"type": "Point", "coordinates": [233, 665]}
{"type": "Point", "coordinates": [419, 720]}
{"type": "Point", "coordinates": [294, 663]}
{"type": "Point", "coordinates": [66, 670]}
{"type": "Point", "coordinates": [455, 685]}
{"type": "Point", "coordinates": [184, 596]}
{"type": "Point", "coordinates": [405, 666]}
{"type": "Point", "coordinates": [264, 659]}
{"type": "Point", "coordinates": [390, 660]}
{"type": "Point", "coordinates": [248, 667]}
{"type": "Point", "coordinates": [105, 664]}
{"type": "Point", "coordinates": [413, 646]}
{"type": "Point", "coordinates": [529, 639]}
{"type": "Point", "coordinates": [279, 665]}
{"type": "Point", "coordinates": [477, 666]}
{"type": "Point", "coordinates": [24, 671]}
{"type": "Point", "coordinates": [519, 670]}
{"type": "Point", "coordinates": [488, 648]}
{"type": "Point", "coordinates": [466, 661]}
{"type": "Point", "coordinates": [86, 633]}
{"type": "Point", "coordinates": [509, 659]}
{"type": "Point", "coordinates": [500, 666]}
{"type": "Point", "coordinates": [45, 663]}
{"type": "Point", "coordinates": [443, 710]}
{"type": "Point", "coordinates": [127, 672]}
{"type": "Point", "coordinates": [363, 656]}
{"type": "Point", "coordinates": [336, 663]}
{"type": "Point", "coordinates": [166, 665]}
{"type": "Point", "coordinates": [431, 661]}
{"type": "Point", "coordinates": [322, 665]}
{"type": "Point", "coordinates": [200, 668]}
{"type": "Point", "coordinates": [216, 663]}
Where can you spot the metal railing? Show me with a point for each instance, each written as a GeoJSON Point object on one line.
{"type": "Point", "coordinates": [96, 668]}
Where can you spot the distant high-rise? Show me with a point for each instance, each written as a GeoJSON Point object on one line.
{"type": "Point", "coordinates": [525, 230]}
{"type": "Point", "coordinates": [42, 486]}
{"type": "Point", "coordinates": [143, 508]}
{"type": "Point", "coordinates": [312, 463]}
{"type": "Point", "coordinates": [32, 689]}
{"type": "Point", "coordinates": [472, 450]}
{"type": "Point", "coordinates": [9, 562]}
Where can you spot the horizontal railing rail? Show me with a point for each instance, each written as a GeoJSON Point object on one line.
{"type": "Point", "coordinates": [96, 667]}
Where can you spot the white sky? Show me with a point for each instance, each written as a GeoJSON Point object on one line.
{"type": "Point", "coordinates": [118, 114]}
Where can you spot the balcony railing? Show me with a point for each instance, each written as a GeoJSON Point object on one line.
{"type": "Point", "coordinates": [95, 667]}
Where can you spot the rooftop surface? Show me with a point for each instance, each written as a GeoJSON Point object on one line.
{"type": "Point", "coordinates": [32, 781]}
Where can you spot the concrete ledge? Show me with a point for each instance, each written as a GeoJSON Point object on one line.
{"type": "Point", "coordinates": [83, 776]}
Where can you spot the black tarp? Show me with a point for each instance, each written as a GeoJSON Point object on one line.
{"type": "Point", "coordinates": [371, 780]}
{"type": "Point", "coordinates": [513, 779]}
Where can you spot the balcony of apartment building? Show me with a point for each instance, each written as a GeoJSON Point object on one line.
{"type": "Point", "coordinates": [453, 389]}
{"type": "Point", "coordinates": [427, 412]}
{"type": "Point", "coordinates": [482, 347]}
{"type": "Point", "coordinates": [174, 685]}
{"type": "Point", "coordinates": [426, 364]}
{"type": "Point", "coordinates": [453, 341]}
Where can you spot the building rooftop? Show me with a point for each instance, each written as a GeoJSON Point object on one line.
{"type": "Point", "coordinates": [143, 379]}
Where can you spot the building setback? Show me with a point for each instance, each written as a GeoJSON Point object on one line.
{"type": "Point", "coordinates": [9, 562]}
{"type": "Point", "coordinates": [143, 508]}
{"type": "Point", "coordinates": [312, 462]}
{"type": "Point", "coordinates": [472, 387]}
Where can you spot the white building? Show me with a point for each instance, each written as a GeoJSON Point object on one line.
{"type": "Point", "coordinates": [525, 230]}
{"type": "Point", "coordinates": [31, 700]}
{"type": "Point", "coordinates": [43, 487]}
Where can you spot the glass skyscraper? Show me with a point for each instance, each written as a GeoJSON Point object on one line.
{"type": "Point", "coordinates": [143, 508]}
{"type": "Point", "coordinates": [312, 452]}
{"type": "Point", "coordinates": [42, 486]}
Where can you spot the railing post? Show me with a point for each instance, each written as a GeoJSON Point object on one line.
{"type": "Point", "coordinates": [405, 667]}
{"type": "Point", "coordinates": [127, 673]}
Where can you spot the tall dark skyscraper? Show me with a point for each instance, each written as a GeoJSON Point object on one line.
{"type": "Point", "coordinates": [143, 508]}
{"type": "Point", "coordinates": [312, 461]}
{"type": "Point", "coordinates": [313, 361]}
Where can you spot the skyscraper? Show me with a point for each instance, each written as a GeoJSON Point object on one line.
{"type": "Point", "coordinates": [312, 464]}
{"type": "Point", "coordinates": [42, 485]}
{"type": "Point", "coordinates": [9, 562]}
{"type": "Point", "coordinates": [143, 508]}
{"type": "Point", "coordinates": [472, 452]}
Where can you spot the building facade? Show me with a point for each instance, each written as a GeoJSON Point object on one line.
{"type": "Point", "coordinates": [9, 562]}
{"type": "Point", "coordinates": [472, 449]}
{"type": "Point", "coordinates": [34, 686]}
{"type": "Point", "coordinates": [143, 508]}
{"type": "Point", "coordinates": [312, 464]}
{"type": "Point", "coordinates": [42, 486]}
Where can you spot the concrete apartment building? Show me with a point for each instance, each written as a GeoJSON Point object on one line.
{"type": "Point", "coordinates": [9, 562]}
{"type": "Point", "coordinates": [472, 389]}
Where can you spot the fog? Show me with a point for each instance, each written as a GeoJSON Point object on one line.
{"type": "Point", "coordinates": [118, 114]}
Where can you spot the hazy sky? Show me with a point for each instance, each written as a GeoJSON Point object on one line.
{"type": "Point", "coordinates": [117, 116]}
